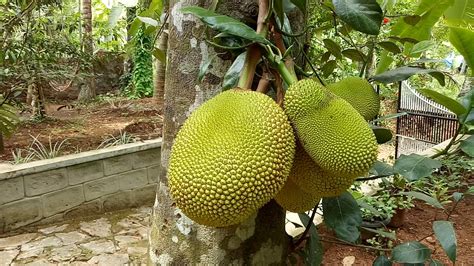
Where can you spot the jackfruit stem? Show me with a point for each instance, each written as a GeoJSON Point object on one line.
{"type": "Point", "coordinates": [286, 74]}
{"type": "Point", "coordinates": [248, 72]}
{"type": "Point", "coordinates": [253, 52]}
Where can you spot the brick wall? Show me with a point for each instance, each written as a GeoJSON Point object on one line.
{"type": "Point", "coordinates": [78, 185]}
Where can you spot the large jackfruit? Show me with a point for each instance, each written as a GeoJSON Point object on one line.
{"type": "Point", "coordinates": [311, 178]}
{"type": "Point", "coordinates": [231, 156]}
{"type": "Point", "coordinates": [331, 131]}
{"type": "Point", "coordinates": [292, 198]}
{"type": "Point", "coordinates": [360, 94]}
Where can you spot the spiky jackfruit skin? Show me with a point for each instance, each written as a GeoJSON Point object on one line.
{"type": "Point", "coordinates": [231, 156]}
{"type": "Point", "coordinates": [331, 131]}
{"type": "Point", "coordinates": [311, 178]}
{"type": "Point", "coordinates": [292, 198]}
{"type": "Point", "coordinates": [360, 94]}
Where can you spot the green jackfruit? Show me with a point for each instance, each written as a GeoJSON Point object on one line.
{"type": "Point", "coordinates": [360, 94]}
{"type": "Point", "coordinates": [231, 156]}
{"type": "Point", "coordinates": [311, 178]}
{"type": "Point", "coordinates": [331, 131]}
{"type": "Point", "coordinates": [292, 198]}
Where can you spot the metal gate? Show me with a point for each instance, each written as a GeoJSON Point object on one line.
{"type": "Point", "coordinates": [426, 124]}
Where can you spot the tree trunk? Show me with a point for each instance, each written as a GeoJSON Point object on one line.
{"type": "Point", "coordinates": [174, 238]}
{"type": "Point", "coordinates": [88, 91]}
{"type": "Point", "coordinates": [128, 63]}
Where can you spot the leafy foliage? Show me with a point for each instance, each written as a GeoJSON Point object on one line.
{"type": "Point", "coordinates": [143, 66]}
{"type": "Point", "coordinates": [446, 236]}
{"type": "Point", "coordinates": [463, 39]}
{"type": "Point", "coordinates": [414, 167]}
{"type": "Point", "coordinates": [362, 15]}
{"type": "Point", "coordinates": [411, 252]}
{"type": "Point", "coordinates": [343, 215]}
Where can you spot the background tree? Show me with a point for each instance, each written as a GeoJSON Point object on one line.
{"type": "Point", "coordinates": [88, 89]}
{"type": "Point", "coordinates": [160, 63]}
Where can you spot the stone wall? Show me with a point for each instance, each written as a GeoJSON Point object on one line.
{"type": "Point", "coordinates": [78, 185]}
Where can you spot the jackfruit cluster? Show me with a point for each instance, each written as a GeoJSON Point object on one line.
{"type": "Point", "coordinates": [360, 94]}
{"type": "Point", "coordinates": [330, 130]}
{"type": "Point", "coordinates": [237, 151]}
{"type": "Point", "coordinates": [230, 157]}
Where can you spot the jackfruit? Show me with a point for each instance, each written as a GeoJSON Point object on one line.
{"type": "Point", "coordinates": [331, 131]}
{"type": "Point", "coordinates": [308, 176]}
{"type": "Point", "coordinates": [292, 198]}
{"type": "Point", "coordinates": [230, 157]}
{"type": "Point", "coordinates": [360, 94]}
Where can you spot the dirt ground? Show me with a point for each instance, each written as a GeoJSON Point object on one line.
{"type": "Point", "coordinates": [85, 127]}
{"type": "Point", "coordinates": [418, 225]}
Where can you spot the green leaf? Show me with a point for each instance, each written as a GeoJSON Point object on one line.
{"type": "Point", "coordinates": [388, 117]}
{"type": "Point", "coordinates": [412, 20]}
{"type": "Point", "coordinates": [325, 57]}
{"type": "Point", "coordinates": [461, 12]}
{"type": "Point", "coordinates": [224, 24]}
{"type": "Point", "coordinates": [470, 190]}
{"type": "Point", "coordinates": [439, 76]}
{"type": "Point", "coordinates": [362, 15]}
{"type": "Point", "coordinates": [467, 146]}
{"type": "Point", "coordinates": [401, 73]}
{"type": "Point", "coordinates": [462, 40]}
{"type": "Point", "coordinates": [411, 252]}
{"type": "Point", "coordinates": [421, 196]}
{"type": "Point", "coordinates": [383, 135]}
{"type": "Point", "coordinates": [370, 208]}
{"type": "Point", "coordinates": [278, 8]}
{"type": "Point", "coordinates": [156, 6]}
{"type": "Point", "coordinates": [430, 12]}
{"type": "Point", "coordinates": [384, 63]}
{"type": "Point", "coordinates": [204, 66]}
{"type": "Point", "coordinates": [414, 166]}
{"type": "Point", "coordinates": [390, 46]}
{"type": "Point", "coordinates": [314, 248]}
{"type": "Point", "coordinates": [233, 73]}
{"type": "Point", "coordinates": [354, 55]}
{"type": "Point", "coordinates": [114, 15]}
{"type": "Point", "coordinates": [453, 105]}
{"type": "Point", "coordinates": [446, 236]}
{"type": "Point", "coordinates": [382, 260]}
{"type": "Point", "coordinates": [381, 168]}
{"type": "Point", "coordinates": [421, 47]}
{"type": "Point", "coordinates": [301, 4]}
{"type": "Point", "coordinates": [149, 21]}
{"type": "Point", "coordinates": [333, 47]}
{"type": "Point", "coordinates": [328, 68]}
{"type": "Point", "coordinates": [457, 196]}
{"type": "Point", "coordinates": [134, 27]}
{"type": "Point", "coordinates": [160, 55]}
{"type": "Point", "coordinates": [342, 214]}
{"type": "Point", "coordinates": [390, 235]}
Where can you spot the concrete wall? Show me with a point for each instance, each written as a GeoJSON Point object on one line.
{"type": "Point", "coordinates": [78, 185]}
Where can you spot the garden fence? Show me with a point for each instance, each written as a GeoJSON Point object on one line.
{"type": "Point", "coordinates": [426, 124]}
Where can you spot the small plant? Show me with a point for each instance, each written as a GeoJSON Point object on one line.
{"type": "Point", "coordinates": [383, 240]}
{"type": "Point", "coordinates": [41, 152]}
{"type": "Point", "coordinates": [19, 156]}
{"type": "Point", "coordinates": [38, 151]}
{"type": "Point", "coordinates": [122, 138]}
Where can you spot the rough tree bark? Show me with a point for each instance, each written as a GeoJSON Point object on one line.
{"type": "Point", "coordinates": [87, 88]}
{"type": "Point", "coordinates": [174, 238]}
